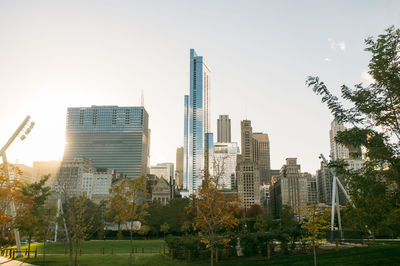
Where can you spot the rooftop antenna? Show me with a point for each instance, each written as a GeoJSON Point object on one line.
{"type": "Point", "coordinates": [142, 99]}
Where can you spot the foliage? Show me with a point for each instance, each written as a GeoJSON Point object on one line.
{"type": "Point", "coordinates": [374, 113]}
{"type": "Point", "coordinates": [77, 223]}
{"type": "Point", "coordinates": [160, 214]}
{"type": "Point", "coordinates": [288, 229]}
{"type": "Point", "coordinates": [10, 191]}
{"type": "Point", "coordinates": [254, 211]}
{"type": "Point", "coordinates": [315, 226]}
{"type": "Point", "coordinates": [164, 228]}
{"type": "Point", "coordinates": [35, 220]}
{"type": "Point", "coordinates": [127, 204]}
{"type": "Point", "coordinates": [213, 212]}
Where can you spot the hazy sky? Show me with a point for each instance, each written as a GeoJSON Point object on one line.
{"type": "Point", "coordinates": [59, 54]}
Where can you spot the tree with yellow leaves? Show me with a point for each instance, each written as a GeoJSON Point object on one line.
{"type": "Point", "coordinates": [315, 225]}
{"type": "Point", "coordinates": [127, 204]}
{"type": "Point", "coordinates": [213, 211]}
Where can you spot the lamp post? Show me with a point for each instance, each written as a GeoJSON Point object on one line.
{"type": "Point", "coordinates": [3, 150]}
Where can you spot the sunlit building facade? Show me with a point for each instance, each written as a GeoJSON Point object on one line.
{"type": "Point", "coordinates": [112, 137]}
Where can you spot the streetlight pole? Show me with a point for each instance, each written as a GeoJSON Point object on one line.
{"type": "Point", "coordinates": [6, 171]}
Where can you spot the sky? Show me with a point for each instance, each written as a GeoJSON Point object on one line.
{"type": "Point", "coordinates": [59, 54]}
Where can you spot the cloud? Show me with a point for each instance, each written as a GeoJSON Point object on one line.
{"type": "Point", "coordinates": [367, 77]}
{"type": "Point", "coordinates": [337, 44]}
{"type": "Point", "coordinates": [327, 59]}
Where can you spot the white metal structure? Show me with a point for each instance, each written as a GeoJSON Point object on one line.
{"type": "Point", "coordinates": [6, 172]}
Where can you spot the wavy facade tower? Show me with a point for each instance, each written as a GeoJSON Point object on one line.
{"type": "Point", "coordinates": [112, 137]}
{"type": "Point", "coordinates": [196, 123]}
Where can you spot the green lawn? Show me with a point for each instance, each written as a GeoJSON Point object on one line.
{"type": "Point", "coordinates": [387, 254]}
{"type": "Point", "coordinates": [95, 246]}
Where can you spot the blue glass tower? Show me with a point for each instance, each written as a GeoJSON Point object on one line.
{"type": "Point", "coordinates": [112, 137]}
{"type": "Point", "coordinates": [196, 124]}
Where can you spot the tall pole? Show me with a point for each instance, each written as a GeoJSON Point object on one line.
{"type": "Point", "coordinates": [12, 206]}
{"type": "Point", "coordinates": [6, 172]}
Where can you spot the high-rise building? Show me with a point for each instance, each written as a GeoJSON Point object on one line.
{"type": "Point", "coordinates": [179, 167]}
{"type": "Point", "coordinates": [225, 156]}
{"type": "Point", "coordinates": [112, 137]}
{"type": "Point", "coordinates": [338, 151]}
{"type": "Point", "coordinates": [290, 188]}
{"type": "Point", "coordinates": [196, 123]}
{"type": "Point", "coordinates": [224, 129]}
{"type": "Point", "coordinates": [163, 170]}
{"type": "Point", "coordinates": [248, 174]}
{"type": "Point", "coordinates": [261, 154]}
{"type": "Point", "coordinates": [324, 185]}
{"type": "Point", "coordinates": [312, 194]}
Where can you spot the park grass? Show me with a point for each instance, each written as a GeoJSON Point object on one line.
{"type": "Point", "coordinates": [106, 260]}
{"type": "Point", "coordinates": [96, 246]}
{"type": "Point", "coordinates": [383, 254]}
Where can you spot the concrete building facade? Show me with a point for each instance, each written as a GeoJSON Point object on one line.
{"type": "Point", "coordinates": [224, 129]}
{"type": "Point", "coordinates": [248, 173]}
{"type": "Point", "coordinates": [261, 154]}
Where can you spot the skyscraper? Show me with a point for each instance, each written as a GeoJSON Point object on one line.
{"type": "Point", "coordinates": [248, 179]}
{"type": "Point", "coordinates": [224, 129]}
{"type": "Point", "coordinates": [112, 137]}
{"type": "Point", "coordinates": [225, 155]}
{"type": "Point", "coordinates": [338, 151]}
{"type": "Point", "coordinates": [261, 154]}
{"type": "Point", "coordinates": [196, 122]}
{"type": "Point", "coordinates": [290, 188]}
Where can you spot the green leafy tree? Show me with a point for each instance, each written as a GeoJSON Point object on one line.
{"type": "Point", "coordinates": [127, 198]}
{"type": "Point", "coordinates": [78, 224]}
{"type": "Point", "coordinates": [315, 226]}
{"type": "Point", "coordinates": [164, 228]}
{"type": "Point", "coordinates": [288, 229]}
{"type": "Point", "coordinates": [374, 112]}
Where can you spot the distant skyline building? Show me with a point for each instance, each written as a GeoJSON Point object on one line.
{"type": "Point", "coordinates": [248, 173]}
{"type": "Point", "coordinates": [224, 129]}
{"type": "Point", "coordinates": [225, 156]}
{"type": "Point", "coordinates": [196, 123]}
{"type": "Point", "coordinates": [262, 156]}
{"type": "Point", "coordinates": [290, 188]}
{"type": "Point", "coordinates": [179, 167]}
{"type": "Point", "coordinates": [112, 137]}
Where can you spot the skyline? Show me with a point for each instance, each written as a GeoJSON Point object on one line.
{"type": "Point", "coordinates": [259, 54]}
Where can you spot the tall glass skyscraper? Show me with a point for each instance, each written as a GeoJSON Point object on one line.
{"type": "Point", "coordinates": [196, 122]}
{"type": "Point", "coordinates": [112, 137]}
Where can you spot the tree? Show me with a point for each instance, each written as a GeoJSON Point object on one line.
{"type": "Point", "coordinates": [32, 219]}
{"type": "Point", "coordinates": [77, 223]}
{"type": "Point", "coordinates": [288, 229]}
{"type": "Point", "coordinates": [164, 228]}
{"type": "Point", "coordinates": [374, 113]}
{"type": "Point", "coordinates": [127, 199]}
{"type": "Point", "coordinates": [213, 212]}
{"type": "Point", "coordinates": [10, 191]}
{"type": "Point", "coordinates": [315, 226]}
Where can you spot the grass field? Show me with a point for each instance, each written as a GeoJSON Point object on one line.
{"type": "Point", "coordinates": [95, 246]}
{"type": "Point", "coordinates": [385, 254]}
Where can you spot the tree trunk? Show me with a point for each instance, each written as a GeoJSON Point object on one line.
{"type": "Point", "coordinates": [130, 247]}
{"type": "Point", "coordinates": [29, 244]}
{"type": "Point", "coordinates": [212, 255]}
{"type": "Point", "coordinates": [44, 250]}
{"type": "Point", "coordinates": [315, 256]}
{"type": "Point", "coordinates": [70, 251]}
{"type": "Point", "coordinates": [76, 253]}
